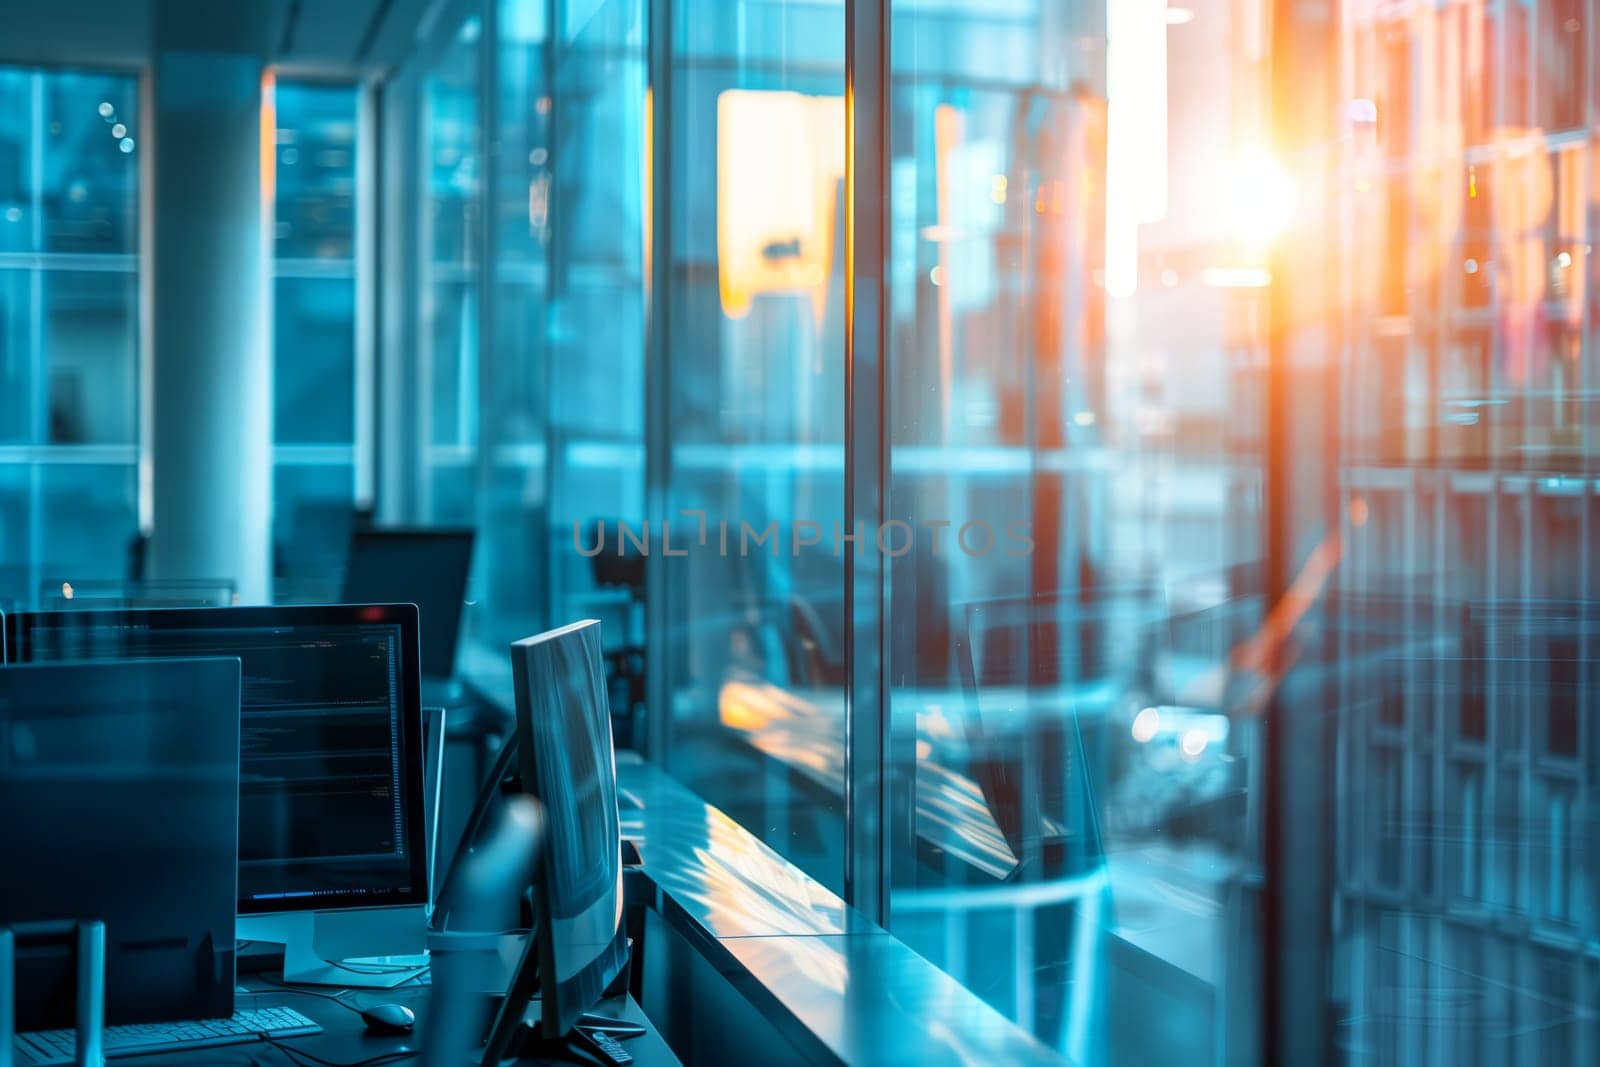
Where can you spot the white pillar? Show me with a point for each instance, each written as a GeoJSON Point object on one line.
{"type": "Point", "coordinates": [207, 303]}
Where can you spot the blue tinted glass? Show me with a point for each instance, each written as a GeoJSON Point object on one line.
{"type": "Point", "coordinates": [89, 164]}
{"type": "Point", "coordinates": [19, 205]}
{"type": "Point", "coordinates": [90, 334]}
{"type": "Point", "coordinates": [68, 325]}
{"type": "Point", "coordinates": [311, 525]}
{"type": "Point", "coordinates": [16, 578]}
{"type": "Point", "coordinates": [314, 371]}
{"type": "Point", "coordinates": [757, 419]}
{"type": "Point", "coordinates": [453, 261]}
{"type": "Point", "coordinates": [18, 399]}
{"type": "Point", "coordinates": [314, 337]}
{"type": "Point", "coordinates": [88, 515]}
{"type": "Point", "coordinates": [315, 171]}
{"type": "Point", "coordinates": [67, 366]}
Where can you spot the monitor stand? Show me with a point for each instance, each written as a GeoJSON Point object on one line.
{"type": "Point", "coordinates": [352, 947]}
{"type": "Point", "coordinates": [584, 1044]}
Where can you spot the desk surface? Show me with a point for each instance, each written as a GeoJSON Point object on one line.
{"type": "Point", "coordinates": [832, 980]}
{"type": "Point", "coordinates": [345, 1038]}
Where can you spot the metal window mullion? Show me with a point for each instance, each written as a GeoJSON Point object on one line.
{"type": "Point", "coordinates": [39, 424]}
{"type": "Point", "coordinates": [365, 469]}
{"type": "Point", "coordinates": [657, 398]}
{"type": "Point", "coordinates": [869, 809]}
{"type": "Point", "coordinates": [1300, 503]}
{"type": "Point", "coordinates": [144, 354]}
{"type": "Point", "coordinates": [489, 170]}
{"type": "Point", "coordinates": [555, 281]}
{"type": "Point", "coordinates": [420, 502]}
{"type": "Point", "coordinates": [401, 193]}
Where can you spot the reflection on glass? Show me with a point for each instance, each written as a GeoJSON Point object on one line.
{"type": "Point", "coordinates": [1097, 253]}
{"type": "Point", "coordinates": [756, 420]}
{"type": "Point", "coordinates": [513, 547]}
{"type": "Point", "coordinates": [1463, 606]}
{"type": "Point", "coordinates": [593, 226]}
{"type": "Point", "coordinates": [452, 261]}
{"type": "Point", "coordinates": [1081, 211]}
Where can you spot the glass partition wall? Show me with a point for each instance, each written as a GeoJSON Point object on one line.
{"type": "Point", "coordinates": [1105, 487]}
{"type": "Point", "coordinates": [754, 428]}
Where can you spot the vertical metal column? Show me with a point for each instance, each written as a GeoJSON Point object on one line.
{"type": "Point", "coordinates": [657, 396]}
{"type": "Point", "coordinates": [1301, 460]}
{"type": "Point", "coordinates": [401, 190]}
{"type": "Point", "coordinates": [364, 457]}
{"type": "Point", "coordinates": [867, 813]}
{"type": "Point", "coordinates": [485, 403]}
{"type": "Point", "coordinates": [551, 473]}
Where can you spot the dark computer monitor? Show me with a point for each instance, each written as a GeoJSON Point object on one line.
{"type": "Point", "coordinates": [332, 850]}
{"type": "Point", "coordinates": [427, 568]}
{"type": "Point", "coordinates": [566, 761]}
{"type": "Point", "coordinates": [120, 787]}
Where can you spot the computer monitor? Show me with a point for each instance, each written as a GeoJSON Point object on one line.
{"type": "Point", "coordinates": [332, 851]}
{"type": "Point", "coordinates": [120, 784]}
{"type": "Point", "coordinates": [425, 567]}
{"type": "Point", "coordinates": [566, 761]}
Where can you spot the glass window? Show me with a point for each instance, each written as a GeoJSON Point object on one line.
{"type": "Point", "coordinates": [1204, 408]}
{"type": "Point", "coordinates": [541, 292]}
{"type": "Point", "coordinates": [68, 327]}
{"type": "Point", "coordinates": [1078, 237]}
{"type": "Point", "coordinates": [314, 343]}
{"type": "Point", "coordinates": [88, 162]}
{"type": "Point", "coordinates": [756, 420]}
{"type": "Point", "coordinates": [1473, 570]}
{"type": "Point", "coordinates": [452, 262]}
{"type": "Point", "coordinates": [514, 546]}
{"type": "Point", "coordinates": [594, 231]}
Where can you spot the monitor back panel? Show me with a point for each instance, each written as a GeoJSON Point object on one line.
{"type": "Point", "coordinates": [120, 781]}
{"type": "Point", "coordinates": [568, 762]}
{"type": "Point", "coordinates": [428, 568]}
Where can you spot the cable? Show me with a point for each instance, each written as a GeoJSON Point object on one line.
{"type": "Point", "coordinates": [301, 1055]}
{"type": "Point", "coordinates": [282, 987]}
{"type": "Point", "coordinates": [377, 969]}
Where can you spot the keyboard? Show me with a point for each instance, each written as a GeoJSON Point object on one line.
{"type": "Point", "coordinates": [49, 1048]}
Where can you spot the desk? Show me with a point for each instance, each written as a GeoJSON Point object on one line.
{"type": "Point", "coordinates": [733, 918]}
{"type": "Point", "coordinates": [838, 988]}
{"type": "Point", "coordinates": [345, 1038]}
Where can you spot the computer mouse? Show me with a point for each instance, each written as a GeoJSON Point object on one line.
{"type": "Point", "coordinates": [389, 1018]}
